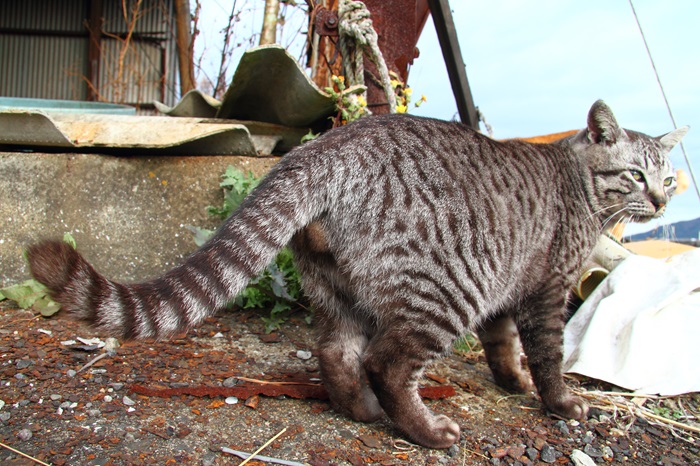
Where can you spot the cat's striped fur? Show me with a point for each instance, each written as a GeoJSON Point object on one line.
{"type": "Point", "coordinates": [407, 232]}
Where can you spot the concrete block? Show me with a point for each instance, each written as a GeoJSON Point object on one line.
{"type": "Point", "coordinates": [127, 214]}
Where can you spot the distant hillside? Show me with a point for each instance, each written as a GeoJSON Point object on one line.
{"type": "Point", "coordinates": [690, 229]}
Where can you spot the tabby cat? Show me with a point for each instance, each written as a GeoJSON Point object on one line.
{"type": "Point", "coordinates": [408, 232]}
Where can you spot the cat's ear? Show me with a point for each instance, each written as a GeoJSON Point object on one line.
{"type": "Point", "coordinates": [602, 125]}
{"type": "Point", "coordinates": [669, 140]}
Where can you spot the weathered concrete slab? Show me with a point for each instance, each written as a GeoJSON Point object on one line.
{"type": "Point", "coordinates": [127, 214]}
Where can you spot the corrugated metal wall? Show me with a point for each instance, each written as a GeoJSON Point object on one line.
{"type": "Point", "coordinates": [44, 48]}
{"type": "Point", "coordinates": [43, 54]}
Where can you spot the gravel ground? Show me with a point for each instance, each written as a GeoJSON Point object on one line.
{"type": "Point", "coordinates": [172, 403]}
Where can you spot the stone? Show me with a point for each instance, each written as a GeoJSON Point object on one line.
{"type": "Point", "coordinates": [579, 458]}
{"type": "Point", "coordinates": [562, 427]}
{"type": "Point", "coordinates": [548, 454]}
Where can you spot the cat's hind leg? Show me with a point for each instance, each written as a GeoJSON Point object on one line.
{"type": "Point", "coordinates": [395, 360]}
{"type": "Point", "coordinates": [499, 337]}
{"type": "Point", "coordinates": [342, 335]}
{"type": "Point", "coordinates": [341, 346]}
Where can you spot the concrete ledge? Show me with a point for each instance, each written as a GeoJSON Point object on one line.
{"type": "Point", "coordinates": [127, 214]}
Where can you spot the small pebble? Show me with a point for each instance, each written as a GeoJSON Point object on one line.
{"type": "Point", "coordinates": [608, 453]}
{"type": "Point", "coordinates": [590, 450]}
{"type": "Point", "coordinates": [2, 404]}
{"type": "Point", "coordinates": [532, 453]}
{"type": "Point", "coordinates": [24, 363]}
{"type": "Point", "coordinates": [71, 373]}
{"type": "Point", "coordinates": [128, 401]}
{"type": "Point", "coordinates": [24, 434]}
{"type": "Point", "coordinates": [453, 450]}
{"type": "Point", "coordinates": [108, 399]}
{"type": "Point", "coordinates": [55, 397]}
{"type": "Point", "coordinates": [117, 386]}
{"type": "Point", "coordinates": [548, 454]}
{"type": "Point", "coordinates": [231, 400]}
{"type": "Point", "coordinates": [4, 416]}
{"type": "Point", "coordinates": [562, 427]}
{"type": "Point", "coordinates": [230, 382]}
{"type": "Point", "coordinates": [579, 458]}
{"type": "Point", "coordinates": [304, 355]}
{"type": "Point", "coordinates": [218, 335]}
{"type": "Point", "coordinates": [111, 344]}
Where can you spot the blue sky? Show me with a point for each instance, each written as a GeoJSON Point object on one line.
{"type": "Point", "coordinates": [536, 67]}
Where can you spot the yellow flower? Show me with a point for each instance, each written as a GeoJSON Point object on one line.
{"type": "Point", "coordinates": [401, 109]}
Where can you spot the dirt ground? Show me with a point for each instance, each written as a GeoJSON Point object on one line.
{"type": "Point", "coordinates": [172, 402]}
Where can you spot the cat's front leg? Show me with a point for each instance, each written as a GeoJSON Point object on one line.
{"type": "Point", "coordinates": [541, 326]}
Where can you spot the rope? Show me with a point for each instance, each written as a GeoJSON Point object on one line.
{"type": "Point", "coordinates": [663, 93]}
{"type": "Point", "coordinates": [358, 38]}
{"type": "Point", "coordinates": [482, 119]}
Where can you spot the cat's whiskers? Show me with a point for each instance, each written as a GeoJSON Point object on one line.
{"type": "Point", "coordinates": [600, 211]}
{"type": "Point", "coordinates": [610, 217]}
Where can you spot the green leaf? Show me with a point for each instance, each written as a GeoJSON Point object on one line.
{"type": "Point", "coordinates": [46, 306]}
{"type": "Point", "coordinates": [68, 238]}
{"type": "Point", "coordinates": [201, 235]}
{"type": "Point", "coordinates": [310, 136]}
{"type": "Point", "coordinates": [25, 294]}
{"type": "Point", "coordinates": [278, 282]}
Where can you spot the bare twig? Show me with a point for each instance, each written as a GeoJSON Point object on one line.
{"type": "Point", "coordinates": [24, 455]}
{"type": "Point", "coordinates": [267, 382]}
{"type": "Point", "coordinates": [265, 459]}
{"type": "Point", "coordinates": [226, 51]}
{"type": "Point", "coordinates": [93, 361]}
{"type": "Point", "coordinates": [263, 447]}
{"type": "Point", "coordinates": [611, 404]}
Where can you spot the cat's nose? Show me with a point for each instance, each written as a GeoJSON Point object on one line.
{"type": "Point", "coordinates": [658, 201]}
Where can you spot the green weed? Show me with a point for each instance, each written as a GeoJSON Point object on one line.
{"type": "Point", "coordinates": [32, 294]}
{"type": "Point", "coordinates": [278, 287]}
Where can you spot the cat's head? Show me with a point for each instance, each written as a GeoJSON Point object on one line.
{"type": "Point", "coordinates": [631, 177]}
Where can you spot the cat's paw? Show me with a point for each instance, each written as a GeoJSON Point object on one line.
{"type": "Point", "coordinates": [439, 432]}
{"type": "Point", "coordinates": [570, 407]}
{"type": "Point", "coordinates": [518, 382]}
{"type": "Point", "coordinates": [366, 409]}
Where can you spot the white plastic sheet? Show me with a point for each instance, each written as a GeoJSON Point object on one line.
{"type": "Point", "coordinates": [640, 329]}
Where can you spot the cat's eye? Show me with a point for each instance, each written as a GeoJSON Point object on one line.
{"type": "Point", "coordinates": [669, 181]}
{"type": "Point", "coordinates": [637, 175]}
